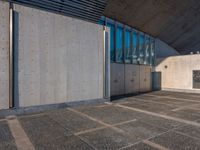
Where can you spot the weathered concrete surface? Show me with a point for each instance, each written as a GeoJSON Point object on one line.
{"type": "Point", "coordinates": [176, 22]}
{"type": "Point", "coordinates": [6, 139]}
{"type": "Point", "coordinates": [130, 123]}
{"type": "Point", "coordinates": [177, 72]}
{"type": "Point", "coordinates": [130, 79]}
{"type": "Point", "coordinates": [4, 55]}
{"type": "Point", "coordinates": [60, 59]}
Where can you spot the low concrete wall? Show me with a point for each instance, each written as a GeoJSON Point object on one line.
{"type": "Point", "coordinates": [177, 72]}
{"type": "Point", "coordinates": [128, 79]}
{"type": "Point", "coordinates": [4, 55]}
{"type": "Point", "coordinates": [60, 59]}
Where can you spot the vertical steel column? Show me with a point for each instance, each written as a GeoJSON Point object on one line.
{"type": "Point", "coordinates": [11, 56]}
{"type": "Point", "coordinates": [106, 64]}
{"type": "Point", "coordinates": [104, 61]}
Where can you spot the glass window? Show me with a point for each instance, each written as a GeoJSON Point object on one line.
{"type": "Point", "coordinates": [102, 20]}
{"type": "Point", "coordinates": [152, 52]}
{"type": "Point", "coordinates": [112, 42]}
{"type": "Point", "coordinates": [128, 46]}
{"type": "Point", "coordinates": [135, 48]}
{"type": "Point", "coordinates": [119, 44]}
{"type": "Point", "coordinates": [141, 48]}
{"type": "Point", "coordinates": [147, 51]}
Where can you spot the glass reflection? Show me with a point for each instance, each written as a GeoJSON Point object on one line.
{"type": "Point", "coordinates": [119, 44]}
{"type": "Point", "coordinates": [128, 46]}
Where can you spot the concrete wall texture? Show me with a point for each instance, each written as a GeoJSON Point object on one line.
{"type": "Point", "coordinates": [4, 55]}
{"type": "Point", "coordinates": [130, 79]}
{"type": "Point", "coordinates": [60, 59]}
{"type": "Point", "coordinates": [177, 72]}
{"type": "Point", "coordinates": [164, 50]}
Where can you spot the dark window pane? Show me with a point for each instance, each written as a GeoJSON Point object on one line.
{"type": "Point", "coordinates": [152, 62]}
{"type": "Point", "coordinates": [147, 51]}
{"type": "Point", "coordinates": [102, 20]}
{"type": "Point", "coordinates": [128, 46]}
{"type": "Point", "coordinates": [135, 49]}
{"type": "Point", "coordinates": [112, 42]}
{"type": "Point", "coordinates": [141, 48]}
{"type": "Point", "coordinates": [119, 44]}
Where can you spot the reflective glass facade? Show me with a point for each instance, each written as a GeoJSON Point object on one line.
{"type": "Point", "coordinates": [112, 42]}
{"type": "Point", "coordinates": [141, 48]}
{"type": "Point", "coordinates": [128, 51]}
{"type": "Point", "coordinates": [119, 45]}
{"type": "Point", "coordinates": [135, 50]}
{"type": "Point", "coordinates": [128, 45]}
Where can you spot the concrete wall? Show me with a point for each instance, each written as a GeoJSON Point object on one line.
{"type": "Point", "coordinates": [60, 59]}
{"type": "Point", "coordinates": [130, 79]}
{"type": "Point", "coordinates": [164, 50]}
{"type": "Point", "coordinates": [4, 55]}
{"type": "Point", "coordinates": [177, 72]}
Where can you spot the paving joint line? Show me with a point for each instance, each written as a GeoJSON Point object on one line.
{"type": "Point", "coordinates": [67, 129]}
{"type": "Point", "coordinates": [139, 99]}
{"type": "Point", "coordinates": [96, 120]}
{"type": "Point", "coordinates": [185, 107]}
{"type": "Point", "coordinates": [154, 145]}
{"type": "Point", "coordinates": [100, 128]}
{"type": "Point", "coordinates": [140, 141]}
{"type": "Point", "coordinates": [180, 99]}
{"type": "Point", "coordinates": [22, 141]}
{"type": "Point", "coordinates": [185, 134]}
{"type": "Point", "coordinates": [160, 115]}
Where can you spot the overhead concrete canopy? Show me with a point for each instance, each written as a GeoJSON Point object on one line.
{"type": "Point", "coordinates": [176, 22]}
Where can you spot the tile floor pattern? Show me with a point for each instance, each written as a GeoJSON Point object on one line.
{"type": "Point", "coordinates": [154, 121]}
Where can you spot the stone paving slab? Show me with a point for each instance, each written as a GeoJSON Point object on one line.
{"type": "Point", "coordinates": [138, 130]}
{"type": "Point", "coordinates": [41, 128]}
{"type": "Point", "coordinates": [148, 106]}
{"type": "Point", "coordinates": [107, 139]}
{"type": "Point", "coordinates": [158, 121]}
{"type": "Point", "coordinates": [63, 143]}
{"type": "Point", "coordinates": [167, 101]}
{"type": "Point", "coordinates": [176, 141]}
{"type": "Point", "coordinates": [190, 131]}
{"type": "Point", "coordinates": [109, 114]}
{"type": "Point", "coordinates": [190, 96]}
{"type": "Point", "coordinates": [6, 139]}
{"type": "Point", "coordinates": [73, 121]}
{"type": "Point", "coordinates": [184, 115]}
{"type": "Point", "coordinates": [140, 146]}
{"type": "Point", "coordinates": [108, 126]}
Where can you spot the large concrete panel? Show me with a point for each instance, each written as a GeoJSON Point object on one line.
{"type": "Point", "coordinates": [148, 76]}
{"type": "Point", "coordinates": [132, 78]}
{"type": "Point", "coordinates": [60, 58]}
{"type": "Point", "coordinates": [142, 78]}
{"type": "Point", "coordinates": [4, 55]}
{"type": "Point", "coordinates": [117, 79]}
{"type": "Point", "coordinates": [145, 78]}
